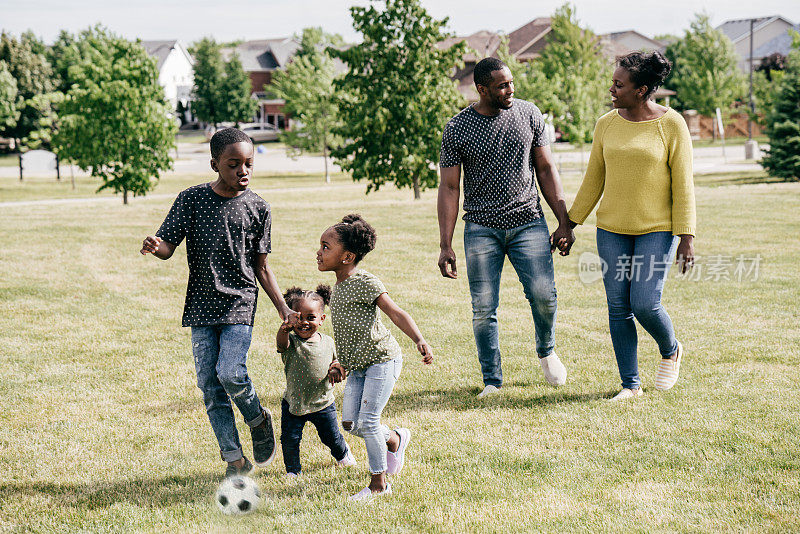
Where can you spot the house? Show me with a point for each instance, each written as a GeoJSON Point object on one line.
{"type": "Point", "coordinates": [260, 59]}
{"type": "Point", "coordinates": [770, 35]}
{"type": "Point", "coordinates": [621, 43]}
{"type": "Point", "coordinates": [175, 72]}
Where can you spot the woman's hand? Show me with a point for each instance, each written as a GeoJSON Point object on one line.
{"type": "Point", "coordinates": [684, 259]}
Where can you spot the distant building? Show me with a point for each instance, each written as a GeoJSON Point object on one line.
{"type": "Point", "coordinates": [621, 43]}
{"type": "Point", "coordinates": [175, 72]}
{"type": "Point", "coordinates": [770, 35]}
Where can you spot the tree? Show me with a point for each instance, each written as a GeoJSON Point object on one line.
{"type": "Point", "coordinates": [396, 96]}
{"type": "Point", "coordinates": [783, 122]}
{"type": "Point", "coordinates": [311, 100]}
{"type": "Point", "coordinates": [236, 103]}
{"type": "Point", "coordinates": [209, 72]}
{"type": "Point", "coordinates": [704, 72]}
{"type": "Point", "coordinates": [114, 121]}
{"type": "Point", "coordinates": [9, 100]}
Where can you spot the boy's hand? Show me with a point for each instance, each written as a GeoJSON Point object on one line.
{"type": "Point", "coordinates": [336, 372]}
{"type": "Point", "coordinates": [426, 351]}
{"type": "Point", "coordinates": [150, 245]}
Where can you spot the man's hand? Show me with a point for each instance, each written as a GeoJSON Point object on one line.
{"type": "Point", "coordinates": [562, 238]}
{"type": "Point", "coordinates": [425, 350]}
{"type": "Point", "coordinates": [150, 245]}
{"type": "Point", "coordinates": [447, 258]}
{"type": "Point", "coordinates": [336, 372]}
{"type": "Point", "coordinates": [684, 259]}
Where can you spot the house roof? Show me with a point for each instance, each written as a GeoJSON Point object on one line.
{"type": "Point", "coordinates": [264, 55]}
{"type": "Point", "coordinates": [613, 46]}
{"type": "Point", "coordinates": [781, 44]}
{"type": "Point", "coordinates": [160, 50]}
{"type": "Point", "coordinates": [739, 29]}
{"type": "Point", "coordinates": [527, 41]}
{"type": "Point", "coordinates": [481, 44]}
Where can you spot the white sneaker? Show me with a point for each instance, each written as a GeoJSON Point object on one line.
{"type": "Point", "coordinates": [554, 371]}
{"type": "Point", "coordinates": [395, 460]}
{"type": "Point", "coordinates": [291, 476]}
{"type": "Point", "coordinates": [667, 372]}
{"type": "Point", "coordinates": [367, 494]}
{"type": "Point", "coordinates": [627, 394]}
{"type": "Point", "coordinates": [348, 460]}
{"type": "Point", "coordinates": [488, 390]}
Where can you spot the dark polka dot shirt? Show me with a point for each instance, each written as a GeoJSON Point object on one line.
{"type": "Point", "coordinates": [496, 158]}
{"type": "Point", "coordinates": [223, 236]}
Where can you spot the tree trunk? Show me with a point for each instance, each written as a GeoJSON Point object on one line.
{"type": "Point", "coordinates": [325, 157]}
{"type": "Point", "coordinates": [125, 196]}
{"type": "Point", "coordinates": [415, 179]}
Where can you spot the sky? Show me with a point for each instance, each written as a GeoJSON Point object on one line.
{"type": "Point", "coordinates": [189, 20]}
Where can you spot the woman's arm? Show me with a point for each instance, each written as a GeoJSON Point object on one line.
{"type": "Point", "coordinates": [406, 323]}
{"type": "Point", "coordinates": [594, 180]}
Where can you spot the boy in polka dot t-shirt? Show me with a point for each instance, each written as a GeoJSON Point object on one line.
{"type": "Point", "coordinates": [227, 232]}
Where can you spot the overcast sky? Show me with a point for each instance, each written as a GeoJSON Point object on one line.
{"type": "Point", "coordinates": [252, 19]}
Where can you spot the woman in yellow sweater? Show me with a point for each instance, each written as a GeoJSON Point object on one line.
{"type": "Point", "coordinates": [641, 166]}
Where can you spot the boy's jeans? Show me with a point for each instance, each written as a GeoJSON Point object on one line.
{"type": "Point", "coordinates": [220, 354]}
{"type": "Point", "coordinates": [636, 269]}
{"type": "Point", "coordinates": [292, 432]}
{"type": "Point", "coordinates": [365, 395]}
{"type": "Point", "coordinates": [528, 248]}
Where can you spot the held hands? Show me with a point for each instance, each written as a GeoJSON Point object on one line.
{"type": "Point", "coordinates": [426, 351]}
{"type": "Point", "coordinates": [447, 258]}
{"type": "Point", "coordinates": [336, 372]}
{"type": "Point", "coordinates": [562, 239]}
{"type": "Point", "coordinates": [150, 245]}
{"type": "Point", "coordinates": [684, 259]}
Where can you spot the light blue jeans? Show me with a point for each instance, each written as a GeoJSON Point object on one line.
{"type": "Point", "coordinates": [637, 267]}
{"type": "Point", "coordinates": [365, 396]}
{"type": "Point", "coordinates": [528, 248]}
{"type": "Point", "coordinates": [220, 356]}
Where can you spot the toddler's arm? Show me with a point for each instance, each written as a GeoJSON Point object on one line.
{"type": "Point", "coordinates": [406, 323]}
{"type": "Point", "coordinates": [157, 247]}
{"type": "Point", "coordinates": [282, 339]}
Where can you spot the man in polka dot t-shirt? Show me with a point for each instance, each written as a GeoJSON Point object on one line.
{"type": "Point", "coordinates": [500, 143]}
{"type": "Point", "coordinates": [227, 232]}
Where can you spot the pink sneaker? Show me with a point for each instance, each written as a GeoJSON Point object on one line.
{"type": "Point", "coordinates": [395, 460]}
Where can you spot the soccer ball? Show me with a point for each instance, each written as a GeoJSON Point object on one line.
{"type": "Point", "coordinates": [238, 495]}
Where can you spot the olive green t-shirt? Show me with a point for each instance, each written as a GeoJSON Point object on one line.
{"type": "Point", "coordinates": [306, 363]}
{"type": "Point", "coordinates": [361, 338]}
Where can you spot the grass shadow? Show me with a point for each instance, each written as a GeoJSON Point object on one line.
{"type": "Point", "coordinates": [736, 178]}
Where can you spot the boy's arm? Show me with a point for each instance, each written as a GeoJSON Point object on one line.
{"type": "Point", "coordinates": [406, 323]}
{"type": "Point", "coordinates": [267, 280]}
{"type": "Point", "coordinates": [156, 246]}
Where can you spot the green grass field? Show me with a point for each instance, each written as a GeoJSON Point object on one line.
{"type": "Point", "coordinates": [103, 429]}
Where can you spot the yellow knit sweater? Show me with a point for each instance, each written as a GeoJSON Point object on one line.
{"type": "Point", "coordinates": [643, 171]}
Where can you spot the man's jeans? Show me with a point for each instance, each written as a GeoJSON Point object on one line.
{"type": "Point", "coordinates": [528, 248]}
{"type": "Point", "coordinates": [220, 355]}
{"type": "Point", "coordinates": [637, 267]}
{"type": "Point", "coordinates": [292, 432]}
{"type": "Point", "coordinates": [365, 396]}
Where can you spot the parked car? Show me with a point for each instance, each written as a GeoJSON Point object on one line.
{"type": "Point", "coordinates": [259, 132]}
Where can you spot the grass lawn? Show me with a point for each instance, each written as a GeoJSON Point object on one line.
{"type": "Point", "coordinates": [103, 429]}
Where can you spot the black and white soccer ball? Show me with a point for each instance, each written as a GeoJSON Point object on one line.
{"type": "Point", "coordinates": [238, 495]}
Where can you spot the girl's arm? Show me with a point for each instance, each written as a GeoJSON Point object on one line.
{"type": "Point", "coordinates": [282, 339]}
{"type": "Point", "coordinates": [406, 323]}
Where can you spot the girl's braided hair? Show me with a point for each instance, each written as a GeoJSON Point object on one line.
{"type": "Point", "coordinates": [356, 235]}
{"type": "Point", "coordinates": [294, 295]}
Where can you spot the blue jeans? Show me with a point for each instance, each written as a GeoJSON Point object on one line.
{"type": "Point", "coordinates": [220, 355]}
{"type": "Point", "coordinates": [528, 248]}
{"type": "Point", "coordinates": [365, 396]}
{"type": "Point", "coordinates": [637, 267]}
{"type": "Point", "coordinates": [292, 432]}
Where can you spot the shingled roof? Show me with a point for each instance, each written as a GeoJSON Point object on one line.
{"type": "Point", "coordinates": [527, 41]}
{"type": "Point", "coordinates": [264, 55]}
{"type": "Point", "coordinates": [159, 49]}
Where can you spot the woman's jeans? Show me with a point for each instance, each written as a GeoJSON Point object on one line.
{"type": "Point", "coordinates": [292, 433]}
{"type": "Point", "coordinates": [528, 248]}
{"type": "Point", "coordinates": [636, 269]}
{"type": "Point", "coordinates": [220, 354]}
{"type": "Point", "coordinates": [365, 395]}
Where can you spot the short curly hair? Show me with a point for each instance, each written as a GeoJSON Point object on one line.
{"type": "Point", "coordinates": [482, 75]}
{"type": "Point", "coordinates": [356, 235]}
{"type": "Point", "coordinates": [648, 69]}
{"type": "Point", "coordinates": [225, 137]}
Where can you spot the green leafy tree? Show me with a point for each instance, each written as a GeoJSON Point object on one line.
{"type": "Point", "coordinates": [235, 93]}
{"type": "Point", "coordinates": [307, 87]}
{"type": "Point", "coordinates": [396, 96]}
{"type": "Point", "coordinates": [705, 73]}
{"type": "Point", "coordinates": [209, 72]}
{"type": "Point", "coordinates": [9, 99]}
{"type": "Point", "coordinates": [46, 106]}
{"type": "Point", "coordinates": [63, 53]}
{"type": "Point", "coordinates": [783, 122]}
{"type": "Point", "coordinates": [114, 121]}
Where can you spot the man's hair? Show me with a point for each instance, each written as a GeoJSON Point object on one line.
{"type": "Point", "coordinates": [225, 137]}
{"type": "Point", "coordinates": [484, 69]}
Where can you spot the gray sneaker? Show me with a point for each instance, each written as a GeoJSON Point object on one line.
{"type": "Point", "coordinates": [263, 441]}
{"type": "Point", "coordinates": [233, 471]}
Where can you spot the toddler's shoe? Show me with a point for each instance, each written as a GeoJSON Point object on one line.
{"type": "Point", "coordinates": [667, 372]}
{"type": "Point", "coordinates": [263, 441]}
{"type": "Point", "coordinates": [396, 460]}
{"type": "Point", "coordinates": [554, 371]}
{"type": "Point", "coordinates": [488, 390]}
{"type": "Point", "coordinates": [246, 469]}
{"type": "Point", "coordinates": [367, 494]}
{"type": "Point", "coordinates": [348, 460]}
{"type": "Point", "coordinates": [627, 394]}
{"type": "Point", "coordinates": [291, 476]}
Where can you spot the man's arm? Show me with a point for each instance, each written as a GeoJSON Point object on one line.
{"type": "Point", "coordinates": [550, 185]}
{"type": "Point", "coordinates": [447, 210]}
{"type": "Point", "coordinates": [267, 280]}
